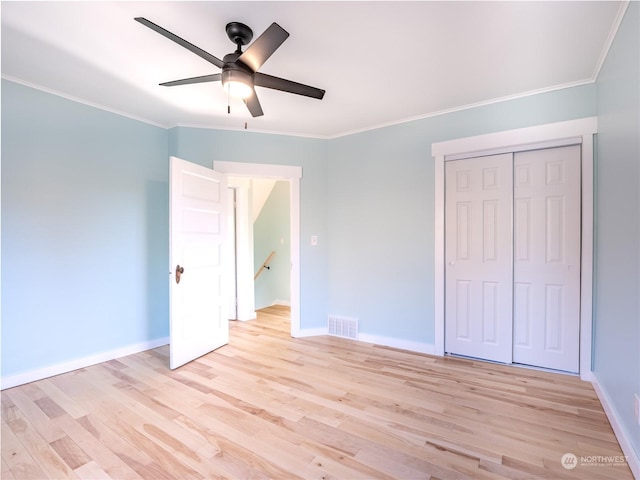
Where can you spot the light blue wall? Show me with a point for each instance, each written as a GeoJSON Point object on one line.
{"type": "Point", "coordinates": [204, 146]}
{"type": "Point", "coordinates": [84, 230]}
{"type": "Point", "coordinates": [617, 239]}
{"type": "Point", "coordinates": [88, 189]}
{"type": "Point", "coordinates": [272, 233]}
{"type": "Point", "coordinates": [380, 208]}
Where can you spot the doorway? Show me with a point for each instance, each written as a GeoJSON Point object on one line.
{"type": "Point", "coordinates": [292, 174]}
{"type": "Point", "coordinates": [271, 242]}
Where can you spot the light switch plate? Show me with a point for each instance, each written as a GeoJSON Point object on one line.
{"type": "Point", "coordinates": [314, 240]}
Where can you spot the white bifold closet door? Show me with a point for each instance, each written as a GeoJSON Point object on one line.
{"type": "Point", "coordinates": [546, 289]}
{"type": "Point", "coordinates": [479, 256]}
{"type": "Point", "coordinates": [512, 288]}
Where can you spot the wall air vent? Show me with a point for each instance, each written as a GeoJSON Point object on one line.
{"type": "Point", "coordinates": [343, 327]}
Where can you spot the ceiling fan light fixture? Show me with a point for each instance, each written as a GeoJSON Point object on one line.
{"type": "Point", "coordinates": [238, 89]}
{"type": "Point", "coordinates": [240, 69]}
{"type": "Point", "coordinates": [237, 83]}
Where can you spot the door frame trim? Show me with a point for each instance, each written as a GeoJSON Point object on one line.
{"type": "Point", "coordinates": [293, 174]}
{"type": "Point", "coordinates": [580, 131]}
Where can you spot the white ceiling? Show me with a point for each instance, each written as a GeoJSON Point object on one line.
{"type": "Point", "coordinates": [379, 62]}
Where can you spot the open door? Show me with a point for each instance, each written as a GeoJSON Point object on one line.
{"type": "Point", "coordinates": [198, 233]}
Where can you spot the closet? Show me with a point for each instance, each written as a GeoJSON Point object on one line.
{"type": "Point", "coordinates": [512, 257]}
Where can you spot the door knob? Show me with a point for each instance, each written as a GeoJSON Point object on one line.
{"type": "Point", "coordinates": [179, 272]}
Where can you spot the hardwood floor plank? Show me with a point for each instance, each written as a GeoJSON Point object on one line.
{"type": "Point", "coordinates": [50, 408]}
{"type": "Point", "coordinates": [65, 402]}
{"type": "Point", "coordinates": [5, 471]}
{"type": "Point", "coordinates": [16, 460]}
{"type": "Point", "coordinates": [242, 446]}
{"type": "Point", "coordinates": [231, 460]}
{"type": "Point", "coordinates": [398, 466]}
{"type": "Point", "coordinates": [35, 416]}
{"type": "Point", "coordinates": [44, 457]}
{"type": "Point", "coordinates": [270, 406]}
{"type": "Point", "coordinates": [128, 419]}
{"type": "Point", "coordinates": [70, 452]}
{"type": "Point", "coordinates": [92, 471]}
{"type": "Point", "coordinates": [134, 458]}
{"type": "Point", "coordinates": [104, 455]}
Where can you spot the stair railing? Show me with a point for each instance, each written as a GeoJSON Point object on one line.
{"type": "Point", "coordinates": [265, 265]}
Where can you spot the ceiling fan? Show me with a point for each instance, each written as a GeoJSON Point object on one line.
{"type": "Point", "coordinates": [240, 73]}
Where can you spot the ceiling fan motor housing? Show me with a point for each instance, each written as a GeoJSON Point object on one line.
{"type": "Point", "coordinates": [235, 71]}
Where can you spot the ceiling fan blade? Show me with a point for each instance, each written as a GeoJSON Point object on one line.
{"type": "Point", "coordinates": [181, 41]}
{"type": "Point", "coordinates": [187, 81]}
{"type": "Point", "coordinates": [259, 51]}
{"type": "Point", "coordinates": [276, 83]}
{"type": "Point", "coordinates": [253, 104]}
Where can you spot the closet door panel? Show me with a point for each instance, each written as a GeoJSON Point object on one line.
{"type": "Point", "coordinates": [478, 285]}
{"type": "Point", "coordinates": [547, 258]}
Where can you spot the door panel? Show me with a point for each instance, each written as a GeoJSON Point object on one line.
{"type": "Point", "coordinates": [198, 230]}
{"type": "Point", "coordinates": [490, 312]}
{"type": "Point", "coordinates": [547, 258]}
{"type": "Point", "coordinates": [478, 286]}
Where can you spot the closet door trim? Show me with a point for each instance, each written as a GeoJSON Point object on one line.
{"type": "Point", "coordinates": [571, 132]}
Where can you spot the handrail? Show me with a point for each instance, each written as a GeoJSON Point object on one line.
{"type": "Point", "coordinates": [265, 265]}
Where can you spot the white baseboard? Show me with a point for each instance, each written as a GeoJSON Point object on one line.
{"type": "Point", "coordinates": [284, 303]}
{"type": "Point", "coordinates": [246, 316]}
{"type": "Point", "coordinates": [586, 376]}
{"type": "Point", "coordinates": [409, 345]}
{"type": "Point", "coordinates": [65, 367]}
{"type": "Point", "coordinates": [310, 332]}
{"type": "Point", "coordinates": [620, 432]}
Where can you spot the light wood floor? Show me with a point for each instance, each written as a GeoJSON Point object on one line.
{"type": "Point", "coordinates": [268, 406]}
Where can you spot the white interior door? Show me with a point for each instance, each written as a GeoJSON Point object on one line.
{"type": "Point", "coordinates": [547, 258]}
{"type": "Point", "coordinates": [478, 253]}
{"type": "Point", "coordinates": [198, 233]}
